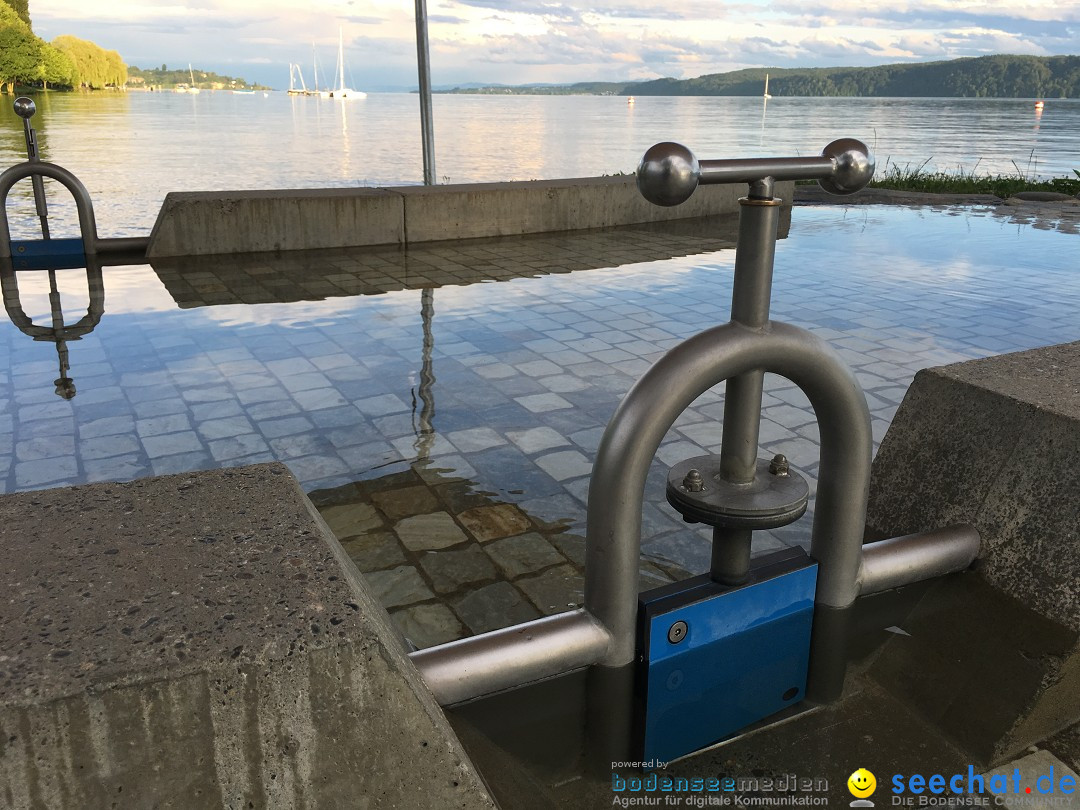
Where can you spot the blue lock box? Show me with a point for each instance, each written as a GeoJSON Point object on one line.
{"type": "Point", "coordinates": [714, 659]}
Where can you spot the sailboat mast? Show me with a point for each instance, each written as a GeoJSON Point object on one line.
{"type": "Point", "coordinates": [341, 60]}
{"type": "Point", "coordinates": [315, 67]}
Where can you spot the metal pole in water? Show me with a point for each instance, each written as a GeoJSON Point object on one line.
{"type": "Point", "coordinates": [423, 66]}
{"type": "Point", "coordinates": [25, 109]}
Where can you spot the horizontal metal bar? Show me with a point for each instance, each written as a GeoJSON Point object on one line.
{"type": "Point", "coordinates": [124, 244]}
{"type": "Point", "coordinates": [503, 659]}
{"type": "Point", "coordinates": [746, 170]}
{"type": "Point", "coordinates": [903, 560]}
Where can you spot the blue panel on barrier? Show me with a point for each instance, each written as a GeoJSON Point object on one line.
{"type": "Point", "coordinates": [48, 254]}
{"type": "Point", "coordinates": [744, 655]}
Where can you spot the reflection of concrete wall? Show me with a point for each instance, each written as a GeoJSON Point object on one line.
{"type": "Point", "coordinates": [995, 443]}
{"type": "Point", "coordinates": [206, 223]}
{"type": "Point", "coordinates": [201, 640]}
{"type": "Point", "coordinates": [313, 275]}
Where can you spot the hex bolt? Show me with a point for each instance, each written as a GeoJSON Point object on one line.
{"type": "Point", "coordinates": [693, 482]}
{"type": "Point", "coordinates": [779, 465]}
{"type": "Point", "coordinates": [677, 632]}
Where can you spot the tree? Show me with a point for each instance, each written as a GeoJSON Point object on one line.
{"type": "Point", "coordinates": [20, 7]}
{"type": "Point", "coordinates": [20, 50]}
{"type": "Point", "coordinates": [95, 67]}
{"type": "Point", "coordinates": [56, 68]}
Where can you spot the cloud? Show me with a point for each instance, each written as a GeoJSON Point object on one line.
{"type": "Point", "coordinates": [536, 8]}
{"type": "Point", "coordinates": [520, 41]}
{"type": "Point", "coordinates": [447, 19]}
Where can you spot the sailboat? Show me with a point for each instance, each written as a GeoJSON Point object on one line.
{"type": "Point", "coordinates": [294, 71]}
{"type": "Point", "coordinates": [341, 91]}
{"type": "Point", "coordinates": [767, 86]}
{"type": "Point", "coordinates": [191, 73]}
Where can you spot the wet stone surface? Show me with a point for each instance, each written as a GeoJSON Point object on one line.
{"type": "Point", "coordinates": [397, 399]}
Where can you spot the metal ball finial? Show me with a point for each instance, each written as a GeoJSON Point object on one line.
{"type": "Point", "coordinates": [668, 174]}
{"type": "Point", "coordinates": [25, 107]}
{"type": "Point", "coordinates": [854, 166]}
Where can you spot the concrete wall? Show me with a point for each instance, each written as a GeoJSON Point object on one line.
{"type": "Point", "coordinates": [207, 223]}
{"type": "Point", "coordinates": [994, 443]}
{"type": "Point", "coordinates": [202, 641]}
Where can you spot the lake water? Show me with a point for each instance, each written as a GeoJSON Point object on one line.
{"type": "Point", "coordinates": [131, 149]}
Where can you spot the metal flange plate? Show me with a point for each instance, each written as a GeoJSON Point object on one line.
{"type": "Point", "coordinates": [770, 500]}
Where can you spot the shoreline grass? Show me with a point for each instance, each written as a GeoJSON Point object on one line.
{"type": "Point", "coordinates": [905, 178]}
{"type": "Point", "coordinates": [1001, 185]}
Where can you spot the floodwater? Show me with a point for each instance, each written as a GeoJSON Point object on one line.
{"type": "Point", "coordinates": [447, 381]}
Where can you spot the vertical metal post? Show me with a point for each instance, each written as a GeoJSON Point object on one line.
{"type": "Point", "coordinates": [423, 66]}
{"type": "Point", "coordinates": [750, 300]}
{"type": "Point", "coordinates": [25, 109]}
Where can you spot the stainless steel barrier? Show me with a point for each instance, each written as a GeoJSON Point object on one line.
{"type": "Point", "coordinates": [603, 632]}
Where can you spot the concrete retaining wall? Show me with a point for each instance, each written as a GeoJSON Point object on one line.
{"type": "Point", "coordinates": [201, 640]}
{"type": "Point", "coordinates": [994, 443]}
{"type": "Point", "coordinates": [207, 223]}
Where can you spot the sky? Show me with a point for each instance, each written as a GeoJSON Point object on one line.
{"type": "Point", "coordinates": [542, 41]}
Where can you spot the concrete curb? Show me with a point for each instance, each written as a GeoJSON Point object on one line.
{"type": "Point", "coordinates": [228, 222]}
{"type": "Point", "coordinates": [201, 640]}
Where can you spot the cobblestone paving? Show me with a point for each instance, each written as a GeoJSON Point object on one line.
{"type": "Point", "coordinates": [448, 436]}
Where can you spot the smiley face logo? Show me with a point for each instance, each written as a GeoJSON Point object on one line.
{"type": "Point", "coordinates": [861, 783]}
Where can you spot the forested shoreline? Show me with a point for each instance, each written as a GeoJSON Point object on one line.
{"type": "Point", "coordinates": [998, 76]}
{"type": "Point", "coordinates": [66, 62]}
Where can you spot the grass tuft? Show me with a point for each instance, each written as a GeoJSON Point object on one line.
{"type": "Point", "coordinates": [905, 178]}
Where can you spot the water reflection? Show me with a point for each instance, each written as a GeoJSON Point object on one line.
{"type": "Point", "coordinates": [316, 275]}
{"type": "Point", "coordinates": [57, 332]}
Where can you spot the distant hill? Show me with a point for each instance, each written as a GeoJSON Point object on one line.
{"type": "Point", "coordinates": [578, 89]}
{"type": "Point", "coordinates": [980, 77]}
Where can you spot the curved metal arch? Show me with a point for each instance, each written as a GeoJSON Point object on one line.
{"type": "Point", "coordinates": [613, 535]}
{"type": "Point", "coordinates": [85, 206]}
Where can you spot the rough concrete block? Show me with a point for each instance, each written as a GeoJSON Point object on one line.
{"type": "Point", "coordinates": [200, 640]}
{"type": "Point", "coordinates": [212, 222]}
{"type": "Point", "coordinates": [994, 443]}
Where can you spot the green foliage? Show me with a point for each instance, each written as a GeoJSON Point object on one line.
{"type": "Point", "coordinates": [68, 62]}
{"type": "Point", "coordinates": [25, 59]}
{"type": "Point", "coordinates": [95, 67]}
{"type": "Point", "coordinates": [21, 9]}
{"type": "Point", "coordinates": [1000, 76]}
{"type": "Point", "coordinates": [20, 54]}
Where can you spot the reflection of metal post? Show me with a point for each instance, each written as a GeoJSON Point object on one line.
{"type": "Point", "coordinates": [65, 386]}
{"type": "Point", "coordinates": [426, 430]}
{"type": "Point", "coordinates": [58, 333]}
{"type": "Point", "coordinates": [25, 109]}
{"type": "Point", "coordinates": [423, 67]}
